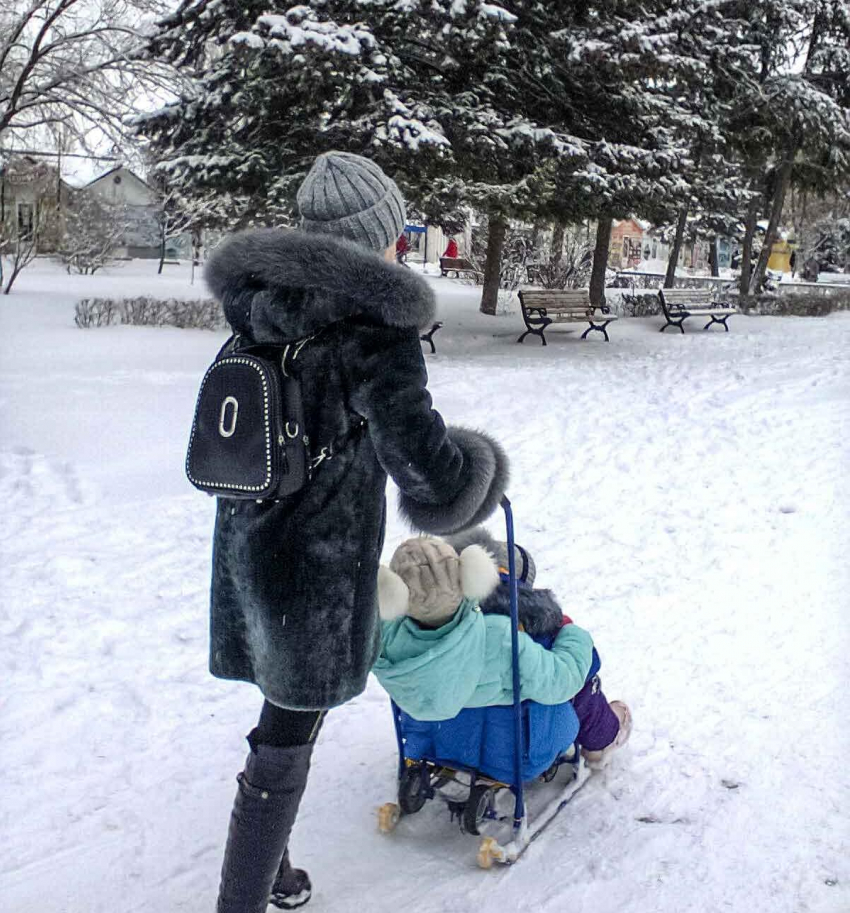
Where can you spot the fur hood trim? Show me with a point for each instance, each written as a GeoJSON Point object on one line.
{"type": "Point", "coordinates": [301, 282]}
{"type": "Point", "coordinates": [539, 612]}
{"type": "Point", "coordinates": [477, 535]}
{"type": "Point", "coordinates": [487, 476]}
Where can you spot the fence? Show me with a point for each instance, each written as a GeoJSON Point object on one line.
{"type": "Point", "coordinates": [630, 279]}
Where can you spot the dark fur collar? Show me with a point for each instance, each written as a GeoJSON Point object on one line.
{"type": "Point", "coordinates": [539, 612]}
{"type": "Point", "coordinates": [276, 281]}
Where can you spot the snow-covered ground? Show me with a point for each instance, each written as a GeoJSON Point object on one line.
{"type": "Point", "coordinates": [688, 497]}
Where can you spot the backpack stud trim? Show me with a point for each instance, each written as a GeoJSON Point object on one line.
{"type": "Point", "coordinates": [233, 359]}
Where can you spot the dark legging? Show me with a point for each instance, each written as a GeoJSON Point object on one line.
{"type": "Point", "coordinates": [282, 728]}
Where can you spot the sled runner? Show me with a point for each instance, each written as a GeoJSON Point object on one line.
{"type": "Point", "coordinates": [473, 760]}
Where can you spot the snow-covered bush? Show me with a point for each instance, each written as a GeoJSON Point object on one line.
{"type": "Point", "coordinates": [794, 304]}
{"type": "Point", "coordinates": [94, 312]}
{"type": "Point", "coordinates": [201, 313]}
{"type": "Point", "coordinates": [567, 262]}
{"type": "Point", "coordinates": [831, 247]}
{"type": "Point", "coordinates": [636, 304]}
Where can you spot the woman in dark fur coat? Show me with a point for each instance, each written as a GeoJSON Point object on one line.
{"type": "Point", "coordinates": [294, 602]}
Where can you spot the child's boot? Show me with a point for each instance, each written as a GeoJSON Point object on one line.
{"type": "Point", "coordinates": [597, 760]}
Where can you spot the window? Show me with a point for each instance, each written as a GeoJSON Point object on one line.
{"type": "Point", "coordinates": [26, 219]}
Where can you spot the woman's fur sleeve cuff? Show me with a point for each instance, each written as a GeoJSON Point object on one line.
{"type": "Point", "coordinates": [485, 475]}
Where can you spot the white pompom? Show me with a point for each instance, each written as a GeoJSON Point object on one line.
{"type": "Point", "coordinates": [393, 595]}
{"type": "Point", "coordinates": [479, 574]}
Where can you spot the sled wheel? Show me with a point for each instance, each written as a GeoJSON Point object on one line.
{"type": "Point", "coordinates": [550, 773]}
{"type": "Point", "coordinates": [388, 815]}
{"type": "Point", "coordinates": [475, 808]}
{"type": "Point", "coordinates": [412, 789]}
{"type": "Point", "coordinates": [487, 853]}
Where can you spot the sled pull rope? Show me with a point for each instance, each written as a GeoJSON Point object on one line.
{"type": "Point", "coordinates": [519, 807]}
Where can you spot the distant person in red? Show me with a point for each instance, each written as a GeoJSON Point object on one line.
{"type": "Point", "coordinates": [451, 248]}
{"type": "Point", "coordinates": [401, 248]}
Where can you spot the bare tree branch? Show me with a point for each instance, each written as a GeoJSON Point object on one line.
{"type": "Point", "coordinates": [79, 62]}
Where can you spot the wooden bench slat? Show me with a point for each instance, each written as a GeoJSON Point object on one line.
{"type": "Point", "coordinates": [556, 293]}
{"type": "Point", "coordinates": [707, 312]}
{"type": "Point", "coordinates": [556, 299]}
{"type": "Point", "coordinates": [565, 308]}
{"type": "Point", "coordinates": [686, 294]}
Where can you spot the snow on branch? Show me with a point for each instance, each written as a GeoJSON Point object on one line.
{"type": "Point", "coordinates": [405, 126]}
{"type": "Point", "coordinates": [497, 12]}
{"type": "Point", "coordinates": [298, 27]}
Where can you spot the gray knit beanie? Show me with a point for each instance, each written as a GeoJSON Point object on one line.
{"type": "Point", "coordinates": [526, 569]}
{"type": "Point", "coordinates": [349, 196]}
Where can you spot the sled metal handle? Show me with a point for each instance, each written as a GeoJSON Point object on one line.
{"type": "Point", "coordinates": [519, 806]}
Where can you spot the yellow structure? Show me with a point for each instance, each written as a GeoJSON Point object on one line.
{"type": "Point", "coordinates": [780, 256]}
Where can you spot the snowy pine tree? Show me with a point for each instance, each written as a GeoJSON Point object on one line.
{"type": "Point", "coordinates": [794, 126]}
{"type": "Point", "coordinates": [418, 86]}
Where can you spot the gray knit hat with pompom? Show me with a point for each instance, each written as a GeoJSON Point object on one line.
{"type": "Point", "coordinates": [349, 196]}
{"type": "Point", "coordinates": [526, 569]}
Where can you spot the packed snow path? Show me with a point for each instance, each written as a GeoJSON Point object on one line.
{"type": "Point", "coordinates": [687, 497]}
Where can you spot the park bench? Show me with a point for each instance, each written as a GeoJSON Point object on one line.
{"type": "Point", "coordinates": [459, 266]}
{"type": "Point", "coordinates": [542, 308]}
{"type": "Point", "coordinates": [429, 336]}
{"type": "Point", "coordinates": [680, 303]}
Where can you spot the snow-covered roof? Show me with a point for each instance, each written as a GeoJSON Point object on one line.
{"type": "Point", "coordinates": [641, 223]}
{"type": "Point", "coordinates": [116, 168]}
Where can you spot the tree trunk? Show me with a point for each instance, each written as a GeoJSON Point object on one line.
{"type": "Point", "coordinates": [21, 259]}
{"type": "Point", "coordinates": [676, 249]}
{"type": "Point", "coordinates": [535, 236]}
{"type": "Point", "coordinates": [196, 253]}
{"type": "Point", "coordinates": [600, 260]}
{"type": "Point", "coordinates": [557, 252]}
{"type": "Point", "coordinates": [747, 247]}
{"type": "Point", "coordinates": [783, 179]}
{"type": "Point", "coordinates": [497, 229]}
{"type": "Point", "coordinates": [713, 263]}
{"type": "Point", "coordinates": [14, 273]}
{"type": "Point", "coordinates": [161, 253]}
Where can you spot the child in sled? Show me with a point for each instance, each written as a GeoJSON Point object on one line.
{"type": "Point", "coordinates": [441, 652]}
{"type": "Point", "coordinates": [604, 726]}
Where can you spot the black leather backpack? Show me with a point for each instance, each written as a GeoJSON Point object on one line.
{"type": "Point", "coordinates": [248, 437]}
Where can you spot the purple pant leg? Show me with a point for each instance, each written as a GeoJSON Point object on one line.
{"type": "Point", "coordinates": [598, 724]}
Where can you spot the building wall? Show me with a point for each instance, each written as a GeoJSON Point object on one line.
{"type": "Point", "coordinates": [626, 248]}
{"type": "Point", "coordinates": [32, 197]}
{"type": "Point", "coordinates": [139, 204]}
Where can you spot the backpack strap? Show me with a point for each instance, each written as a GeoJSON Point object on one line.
{"type": "Point", "coordinates": [289, 354]}
{"type": "Point", "coordinates": [291, 351]}
{"type": "Point", "coordinates": [231, 344]}
{"type": "Point", "coordinates": [327, 452]}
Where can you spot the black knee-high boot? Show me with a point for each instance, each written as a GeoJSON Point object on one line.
{"type": "Point", "coordinates": [267, 799]}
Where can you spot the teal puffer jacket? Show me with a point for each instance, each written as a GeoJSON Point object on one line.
{"type": "Point", "coordinates": [434, 674]}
